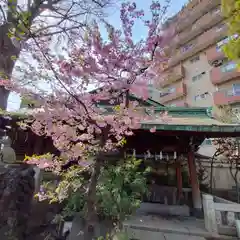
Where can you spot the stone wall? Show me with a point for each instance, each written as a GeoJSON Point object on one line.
{"type": "Point", "coordinates": [21, 216]}
{"type": "Point", "coordinates": [16, 194]}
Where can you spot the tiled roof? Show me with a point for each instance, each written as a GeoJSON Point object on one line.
{"type": "Point", "coordinates": [193, 124]}
{"type": "Point", "coordinates": [189, 121]}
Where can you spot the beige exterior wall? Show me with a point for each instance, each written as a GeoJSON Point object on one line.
{"type": "Point", "coordinates": [222, 177]}
{"type": "Point", "coordinates": [192, 68]}
{"type": "Point", "coordinates": [201, 85]}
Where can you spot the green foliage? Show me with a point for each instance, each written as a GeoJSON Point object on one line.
{"type": "Point", "coordinates": [75, 204]}
{"type": "Point", "coordinates": [119, 235]}
{"type": "Point", "coordinates": [70, 187]}
{"type": "Point", "coordinates": [231, 10]}
{"type": "Point", "coordinates": [25, 102]}
{"type": "Point", "coordinates": [120, 189]}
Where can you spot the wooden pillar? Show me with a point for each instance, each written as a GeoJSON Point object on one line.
{"type": "Point", "coordinates": [179, 180]}
{"type": "Point", "coordinates": [196, 195]}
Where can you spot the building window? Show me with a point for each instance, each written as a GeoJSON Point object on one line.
{"type": "Point", "coordinates": [224, 41]}
{"type": "Point", "coordinates": [204, 95]}
{"type": "Point", "coordinates": [197, 97]}
{"type": "Point", "coordinates": [167, 91]}
{"type": "Point", "coordinates": [228, 67]}
{"type": "Point", "coordinates": [201, 96]}
{"type": "Point", "coordinates": [171, 90]}
{"type": "Point", "coordinates": [198, 77]}
{"type": "Point", "coordinates": [236, 89]}
{"type": "Point", "coordinates": [187, 47]}
{"type": "Point", "coordinates": [195, 59]}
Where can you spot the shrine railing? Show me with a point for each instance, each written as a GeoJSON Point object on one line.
{"type": "Point", "coordinates": [221, 216]}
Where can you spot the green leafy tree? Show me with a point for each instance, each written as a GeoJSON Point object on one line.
{"type": "Point", "coordinates": [120, 189]}
{"type": "Point", "coordinates": [231, 10]}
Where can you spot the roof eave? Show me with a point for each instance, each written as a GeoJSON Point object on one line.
{"type": "Point", "coordinates": [194, 128]}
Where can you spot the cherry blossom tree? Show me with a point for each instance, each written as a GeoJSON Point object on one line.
{"type": "Point", "coordinates": [115, 68]}
{"type": "Point", "coordinates": [46, 21]}
{"type": "Point", "coordinates": [229, 149]}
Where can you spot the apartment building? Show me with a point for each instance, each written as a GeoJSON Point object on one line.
{"type": "Point", "coordinates": [198, 74]}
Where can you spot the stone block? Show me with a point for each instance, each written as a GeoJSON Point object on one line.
{"type": "Point", "coordinates": [238, 228]}
{"type": "Point", "coordinates": [172, 210]}
{"type": "Point", "coordinates": [77, 229]}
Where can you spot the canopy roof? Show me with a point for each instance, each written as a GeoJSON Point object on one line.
{"type": "Point", "coordinates": [181, 119]}
{"type": "Point", "coordinates": [191, 119]}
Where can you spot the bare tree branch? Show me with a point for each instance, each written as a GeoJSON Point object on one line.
{"type": "Point", "coordinates": [11, 11]}
{"type": "Point", "coordinates": [3, 13]}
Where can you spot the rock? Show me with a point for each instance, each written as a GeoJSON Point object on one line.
{"type": "Point", "coordinates": [16, 194]}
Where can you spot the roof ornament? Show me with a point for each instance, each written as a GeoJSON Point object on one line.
{"type": "Point", "coordinates": [7, 153]}
{"type": "Point", "coordinates": [210, 112]}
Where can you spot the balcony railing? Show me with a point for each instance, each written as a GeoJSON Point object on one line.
{"type": "Point", "coordinates": [224, 74]}
{"type": "Point", "coordinates": [172, 76]}
{"type": "Point", "coordinates": [178, 92]}
{"type": "Point", "coordinates": [203, 24]}
{"type": "Point", "coordinates": [204, 41]}
{"type": "Point", "coordinates": [190, 17]}
{"type": "Point", "coordinates": [226, 97]}
{"type": "Point", "coordinates": [214, 54]}
{"type": "Point", "coordinates": [179, 104]}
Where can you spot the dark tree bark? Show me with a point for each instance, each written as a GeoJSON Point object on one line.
{"type": "Point", "coordinates": [91, 213]}
{"type": "Point", "coordinates": [7, 51]}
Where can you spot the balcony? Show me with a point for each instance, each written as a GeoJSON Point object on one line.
{"type": "Point", "coordinates": [173, 93]}
{"type": "Point", "coordinates": [189, 17]}
{"type": "Point", "coordinates": [179, 104]}
{"type": "Point", "coordinates": [203, 24]}
{"type": "Point", "coordinates": [214, 55]}
{"type": "Point", "coordinates": [172, 76]}
{"type": "Point", "coordinates": [204, 41]}
{"type": "Point", "coordinates": [182, 104]}
{"type": "Point", "coordinates": [225, 73]}
{"type": "Point", "coordinates": [226, 97]}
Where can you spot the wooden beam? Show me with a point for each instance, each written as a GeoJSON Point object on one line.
{"type": "Point", "coordinates": [179, 180]}
{"type": "Point", "coordinates": [196, 195]}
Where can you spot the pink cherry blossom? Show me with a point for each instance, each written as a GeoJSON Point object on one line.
{"type": "Point", "coordinates": [153, 130]}
{"type": "Point", "coordinates": [118, 66]}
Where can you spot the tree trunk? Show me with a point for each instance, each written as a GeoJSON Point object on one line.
{"type": "Point", "coordinates": [4, 94]}
{"type": "Point", "coordinates": [91, 213]}
{"type": "Point", "coordinates": [8, 52]}
{"type": "Point", "coordinates": [211, 174]}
